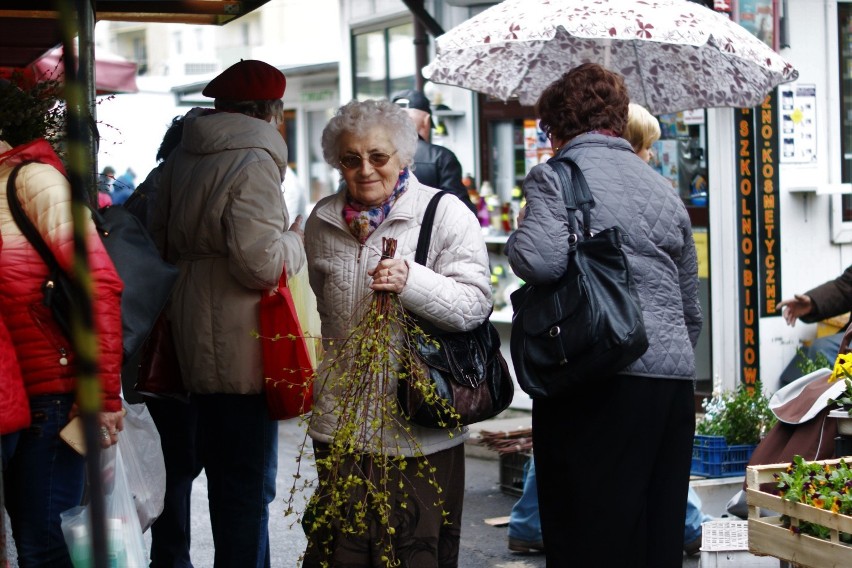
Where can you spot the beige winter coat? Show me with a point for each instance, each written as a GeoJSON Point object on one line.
{"type": "Point", "coordinates": [453, 290]}
{"type": "Point", "coordinates": [221, 218]}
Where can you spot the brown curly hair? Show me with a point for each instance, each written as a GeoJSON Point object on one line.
{"type": "Point", "coordinates": [589, 97]}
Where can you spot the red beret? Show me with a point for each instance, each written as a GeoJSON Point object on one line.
{"type": "Point", "coordinates": [249, 80]}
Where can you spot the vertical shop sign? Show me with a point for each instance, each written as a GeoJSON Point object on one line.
{"type": "Point", "coordinates": [747, 259]}
{"type": "Point", "coordinates": [768, 205]}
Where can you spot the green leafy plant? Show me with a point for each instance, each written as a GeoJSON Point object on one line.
{"type": "Point", "coordinates": [808, 365]}
{"type": "Point", "coordinates": [742, 416]}
{"type": "Point", "coordinates": [823, 486]}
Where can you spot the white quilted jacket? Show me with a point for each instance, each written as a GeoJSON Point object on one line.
{"type": "Point", "coordinates": [452, 291]}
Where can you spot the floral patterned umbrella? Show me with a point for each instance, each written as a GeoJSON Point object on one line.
{"type": "Point", "coordinates": [674, 55]}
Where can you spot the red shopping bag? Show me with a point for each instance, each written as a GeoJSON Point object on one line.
{"type": "Point", "coordinates": [287, 368]}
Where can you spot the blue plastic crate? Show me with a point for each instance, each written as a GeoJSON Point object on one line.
{"type": "Point", "coordinates": [712, 457]}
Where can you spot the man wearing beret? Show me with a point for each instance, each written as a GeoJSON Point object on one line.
{"type": "Point", "coordinates": [434, 165]}
{"type": "Point", "coordinates": [220, 217]}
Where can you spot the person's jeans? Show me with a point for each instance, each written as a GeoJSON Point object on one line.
{"type": "Point", "coordinates": [177, 424]}
{"type": "Point", "coordinates": [239, 451]}
{"type": "Point", "coordinates": [524, 522]}
{"type": "Point", "coordinates": [694, 517]}
{"type": "Point", "coordinates": [43, 478]}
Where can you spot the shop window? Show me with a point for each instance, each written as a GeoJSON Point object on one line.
{"type": "Point", "coordinates": [323, 179]}
{"type": "Point", "coordinates": [383, 61]}
{"type": "Point", "coordinates": [841, 219]}
{"type": "Point", "coordinates": [680, 155]}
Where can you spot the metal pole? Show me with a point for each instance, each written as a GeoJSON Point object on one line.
{"type": "Point", "coordinates": [77, 18]}
{"type": "Point", "coordinates": [421, 44]}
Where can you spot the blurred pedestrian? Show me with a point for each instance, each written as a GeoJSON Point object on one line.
{"type": "Point", "coordinates": [434, 165]}
{"type": "Point", "coordinates": [123, 187]}
{"type": "Point", "coordinates": [42, 475]}
{"type": "Point", "coordinates": [175, 420]}
{"type": "Point", "coordinates": [524, 521]}
{"type": "Point", "coordinates": [105, 181]}
{"type": "Point", "coordinates": [143, 201]}
{"type": "Point", "coordinates": [643, 129]}
{"type": "Point", "coordinates": [221, 219]}
{"type": "Point", "coordinates": [829, 299]}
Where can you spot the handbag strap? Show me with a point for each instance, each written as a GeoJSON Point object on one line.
{"type": "Point", "coordinates": [425, 237]}
{"type": "Point", "coordinates": [575, 193]}
{"type": "Point", "coordinates": [25, 224]}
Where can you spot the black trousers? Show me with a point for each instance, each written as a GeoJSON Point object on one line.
{"type": "Point", "coordinates": [612, 461]}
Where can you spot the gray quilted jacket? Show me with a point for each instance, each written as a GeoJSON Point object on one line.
{"type": "Point", "coordinates": [660, 246]}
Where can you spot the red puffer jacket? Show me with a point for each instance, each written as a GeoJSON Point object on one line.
{"type": "Point", "coordinates": [14, 406]}
{"type": "Point", "coordinates": [44, 354]}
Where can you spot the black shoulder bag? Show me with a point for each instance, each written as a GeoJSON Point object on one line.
{"type": "Point", "coordinates": [589, 324]}
{"type": "Point", "coordinates": [466, 367]}
{"type": "Point", "coordinates": [57, 287]}
{"type": "Point", "coordinates": [148, 279]}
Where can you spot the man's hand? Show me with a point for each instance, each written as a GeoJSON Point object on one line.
{"type": "Point", "coordinates": [794, 308]}
{"type": "Point", "coordinates": [296, 227]}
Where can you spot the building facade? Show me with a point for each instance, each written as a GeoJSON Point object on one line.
{"type": "Point", "coordinates": [769, 189]}
{"type": "Point", "coordinates": [768, 224]}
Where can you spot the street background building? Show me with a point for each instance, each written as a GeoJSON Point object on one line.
{"type": "Point", "coordinates": [753, 251]}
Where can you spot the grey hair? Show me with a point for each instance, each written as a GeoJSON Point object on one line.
{"type": "Point", "coordinates": [264, 110]}
{"type": "Point", "coordinates": [358, 117]}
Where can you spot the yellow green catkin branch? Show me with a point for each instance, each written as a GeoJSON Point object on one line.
{"type": "Point", "coordinates": [355, 490]}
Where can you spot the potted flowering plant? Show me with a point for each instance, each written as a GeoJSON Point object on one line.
{"type": "Point", "coordinates": [731, 428]}
{"type": "Point", "coordinates": [741, 417]}
{"type": "Point", "coordinates": [843, 414]}
{"type": "Point", "coordinates": [821, 485]}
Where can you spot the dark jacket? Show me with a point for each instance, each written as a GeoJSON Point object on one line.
{"type": "Point", "coordinates": [438, 167]}
{"type": "Point", "coordinates": [831, 298]}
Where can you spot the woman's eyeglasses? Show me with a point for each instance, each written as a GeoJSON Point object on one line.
{"type": "Point", "coordinates": [376, 159]}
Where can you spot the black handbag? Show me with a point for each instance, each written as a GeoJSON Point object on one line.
{"type": "Point", "coordinates": [148, 279]}
{"type": "Point", "coordinates": [467, 369]}
{"type": "Point", "coordinates": [587, 325]}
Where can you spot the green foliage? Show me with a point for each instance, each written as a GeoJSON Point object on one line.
{"type": "Point", "coordinates": [845, 400]}
{"type": "Point", "coordinates": [742, 417]}
{"type": "Point", "coordinates": [823, 486]}
{"type": "Point", "coordinates": [807, 365]}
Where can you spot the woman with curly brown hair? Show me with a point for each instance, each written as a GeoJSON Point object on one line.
{"type": "Point", "coordinates": [630, 454]}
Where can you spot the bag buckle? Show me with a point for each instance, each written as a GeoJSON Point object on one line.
{"type": "Point", "coordinates": [554, 331]}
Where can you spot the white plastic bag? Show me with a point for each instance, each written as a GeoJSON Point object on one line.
{"type": "Point", "coordinates": [143, 460]}
{"type": "Point", "coordinates": [125, 544]}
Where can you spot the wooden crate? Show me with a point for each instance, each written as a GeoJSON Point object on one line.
{"type": "Point", "coordinates": [766, 536]}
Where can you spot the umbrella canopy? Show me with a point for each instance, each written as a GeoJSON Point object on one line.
{"type": "Point", "coordinates": [113, 74]}
{"type": "Point", "coordinates": [674, 55]}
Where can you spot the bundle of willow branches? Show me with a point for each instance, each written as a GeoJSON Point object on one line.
{"type": "Point", "coordinates": [519, 440]}
{"type": "Point", "coordinates": [358, 488]}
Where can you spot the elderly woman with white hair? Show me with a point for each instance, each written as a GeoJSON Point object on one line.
{"type": "Point", "coordinates": [372, 144]}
